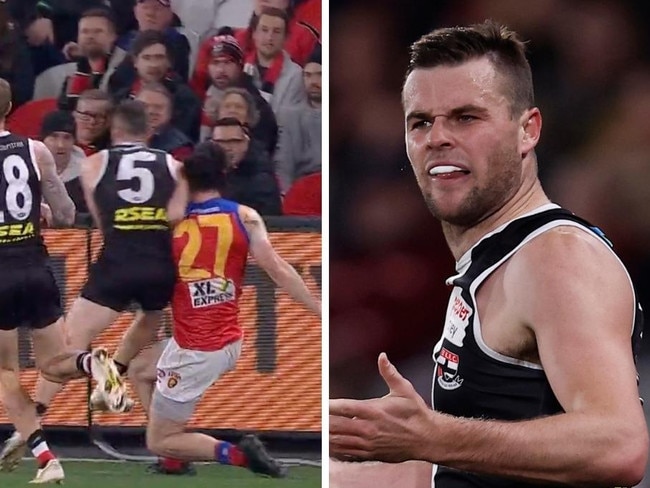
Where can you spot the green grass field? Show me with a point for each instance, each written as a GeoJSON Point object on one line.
{"type": "Point", "coordinates": [81, 474]}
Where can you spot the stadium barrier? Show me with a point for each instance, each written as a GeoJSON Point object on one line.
{"type": "Point", "coordinates": [276, 386]}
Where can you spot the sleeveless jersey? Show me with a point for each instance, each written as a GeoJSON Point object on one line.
{"type": "Point", "coordinates": [132, 193]}
{"type": "Point", "coordinates": [210, 250]}
{"type": "Point", "coordinates": [472, 380]}
{"type": "Point", "coordinates": [20, 199]}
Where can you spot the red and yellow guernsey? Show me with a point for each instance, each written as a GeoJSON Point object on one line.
{"type": "Point", "coordinates": [210, 250]}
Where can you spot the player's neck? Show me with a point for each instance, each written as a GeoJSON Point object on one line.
{"type": "Point", "coordinates": [127, 140]}
{"type": "Point", "coordinates": [204, 196]}
{"type": "Point", "coordinates": [461, 239]}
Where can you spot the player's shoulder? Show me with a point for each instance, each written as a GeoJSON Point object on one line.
{"type": "Point", "coordinates": [247, 214]}
{"type": "Point", "coordinates": [566, 252]}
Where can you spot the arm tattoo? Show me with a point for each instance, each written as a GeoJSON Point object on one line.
{"type": "Point", "coordinates": [56, 196]}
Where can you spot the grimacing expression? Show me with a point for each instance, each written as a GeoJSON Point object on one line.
{"type": "Point", "coordinates": [152, 15]}
{"type": "Point", "coordinates": [236, 106]}
{"type": "Point", "coordinates": [224, 71]}
{"type": "Point", "coordinates": [159, 110]}
{"type": "Point", "coordinates": [152, 64]}
{"type": "Point", "coordinates": [464, 142]}
{"type": "Point", "coordinates": [95, 36]}
{"type": "Point", "coordinates": [91, 119]}
{"type": "Point", "coordinates": [269, 35]}
{"type": "Point", "coordinates": [233, 141]}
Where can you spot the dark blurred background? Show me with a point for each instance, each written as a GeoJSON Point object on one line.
{"type": "Point", "coordinates": [591, 69]}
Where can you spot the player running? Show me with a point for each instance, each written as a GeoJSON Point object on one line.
{"type": "Point", "coordinates": [29, 295]}
{"type": "Point", "coordinates": [128, 190]}
{"type": "Point", "coordinates": [211, 246]}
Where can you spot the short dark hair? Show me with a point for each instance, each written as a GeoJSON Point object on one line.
{"type": "Point", "coordinates": [271, 12]}
{"type": "Point", "coordinates": [452, 46]}
{"type": "Point", "coordinates": [149, 38]}
{"type": "Point", "coordinates": [132, 116]}
{"type": "Point", "coordinates": [231, 122]}
{"type": "Point", "coordinates": [101, 13]}
{"type": "Point", "coordinates": [206, 168]}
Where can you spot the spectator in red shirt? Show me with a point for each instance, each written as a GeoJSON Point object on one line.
{"type": "Point", "coordinates": [162, 134]}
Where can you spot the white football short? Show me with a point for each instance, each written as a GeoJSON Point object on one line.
{"type": "Point", "coordinates": [185, 375]}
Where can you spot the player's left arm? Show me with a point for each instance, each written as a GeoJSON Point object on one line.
{"type": "Point", "coordinates": [281, 272]}
{"type": "Point", "coordinates": [577, 299]}
{"type": "Point", "coordinates": [177, 205]}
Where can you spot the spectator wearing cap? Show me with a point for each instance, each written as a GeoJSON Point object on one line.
{"type": "Point", "coordinates": [251, 178]}
{"type": "Point", "coordinates": [58, 134]}
{"type": "Point", "coordinates": [225, 70]}
{"type": "Point", "coordinates": [277, 77]}
{"type": "Point", "coordinates": [303, 29]}
{"type": "Point", "coordinates": [162, 134]}
{"type": "Point", "coordinates": [300, 141]}
{"type": "Point", "coordinates": [96, 54]}
{"type": "Point", "coordinates": [157, 15]}
{"type": "Point", "coordinates": [151, 56]}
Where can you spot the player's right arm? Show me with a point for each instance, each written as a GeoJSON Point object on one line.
{"type": "Point", "coordinates": [281, 272]}
{"type": "Point", "coordinates": [54, 192]}
{"type": "Point", "coordinates": [90, 168]}
{"type": "Point", "coordinates": [181, 196]}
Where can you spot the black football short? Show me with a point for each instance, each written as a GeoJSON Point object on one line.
{"type": "Point", "coordinates": [29, 297]}
{"type": "Point", "coordinates": [118, 281]}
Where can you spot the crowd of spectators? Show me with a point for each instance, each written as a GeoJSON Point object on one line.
{"type": "Point", "coordinates": [248, 68]}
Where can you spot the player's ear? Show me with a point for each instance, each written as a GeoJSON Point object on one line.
{"type": "Point", "coordinates": [530, 124]}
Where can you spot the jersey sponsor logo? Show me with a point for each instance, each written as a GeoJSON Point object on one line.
{"type": "Point", "coordinates": [458, 315]}
{"type": "Point", "coordinates": [140, 214]}
{"type": "Point", "coordinates": [448, 362]}
{"type": "Point", "coordinates": [16, 232]}
{"type": "Point", "coordinates": [140, 218]}
{"type": "Point", "coordinates": [206, 293]}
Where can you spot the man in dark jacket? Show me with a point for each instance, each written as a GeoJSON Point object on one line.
{"type": "Point", "coordinates": [251, 178]}
{"type": "Point", "coordinates": [162, 134]}
{"type": "Point", "coordinates": [151, 58]}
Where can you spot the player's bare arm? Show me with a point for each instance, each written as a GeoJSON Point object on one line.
{"type": "Point", "coordinates": [61, 205]}
{"type": "Point", "coordinates": [178, 202]}
{"type": "Point", "coordinates": [580, 307]}
{"type": "Point", "coordinates": [411, 474]}
{"type": "Point", "coordinates": [281, 272]}
{"type": "Point", "coordinates": [90, 171]}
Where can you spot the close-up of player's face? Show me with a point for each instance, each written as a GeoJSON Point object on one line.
{"type": "Point", "coordinates": [462, 140]}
